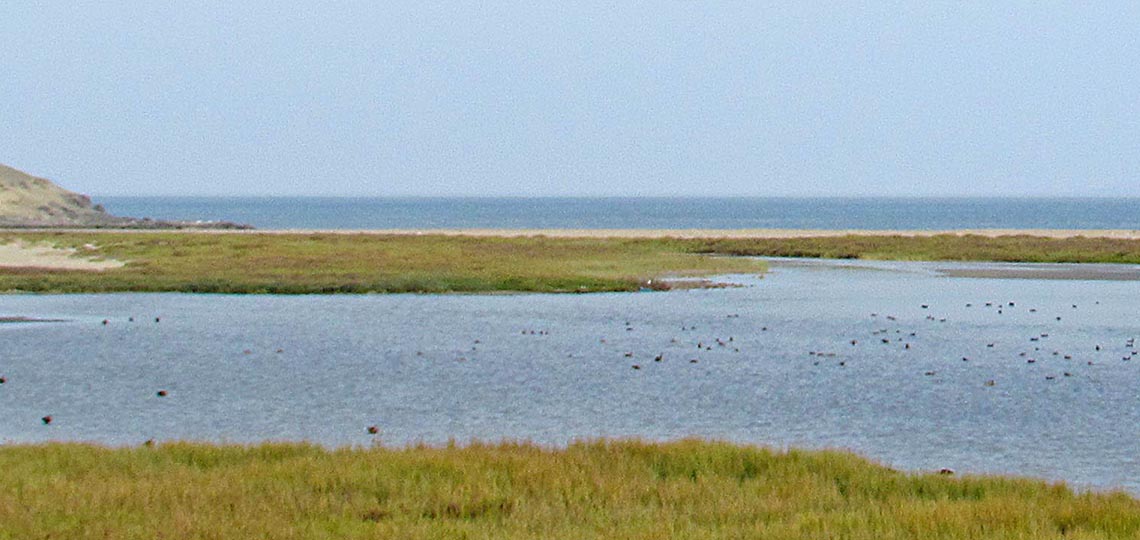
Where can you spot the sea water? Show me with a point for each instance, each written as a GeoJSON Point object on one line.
{"type": "Point", "coordinates": [640, 213]}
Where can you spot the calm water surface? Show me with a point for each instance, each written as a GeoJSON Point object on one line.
{"type": "Point", "coordinates": [641, 213]}
{"type": "Point", "coordinates": [432, 368]}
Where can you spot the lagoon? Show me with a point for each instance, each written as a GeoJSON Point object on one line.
{"type": "Point", "coordinates": [775, 367]}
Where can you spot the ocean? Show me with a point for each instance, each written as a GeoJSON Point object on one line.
{"type": "Point", "coordinates": [641, 213]}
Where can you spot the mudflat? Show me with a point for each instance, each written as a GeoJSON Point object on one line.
{"type": "Point", "coordinates": [1104, 272]}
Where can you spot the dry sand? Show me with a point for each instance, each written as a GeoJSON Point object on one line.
{"type": "Point", "coordinates": [21, 255]}
{"type": "Point", "coordinates": [1123, 234]}
{"type": "Point", "coordinates": [747, 233]}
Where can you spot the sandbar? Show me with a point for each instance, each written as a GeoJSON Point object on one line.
{"type": "Point", "coordinates": [1086, 271]}
{"type": "Point", "coordinates": [1123, 234]}
{"type": "Point", "coordinates": [1120, 234]}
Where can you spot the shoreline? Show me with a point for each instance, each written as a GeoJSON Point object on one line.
{"type": "Point", "coordinates": [748, 233]}
{"type": "Point", "coordinates": [986, 269]}
{"type": "Point", "coordinates": [1120, 234]}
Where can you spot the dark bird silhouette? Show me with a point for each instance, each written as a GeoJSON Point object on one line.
{"type": "Point", "coordinates": [46, 420]}
{"type": "Point", "coordinates": [161, 393]}
{"type": "Point", "coordinates": [372, 430]}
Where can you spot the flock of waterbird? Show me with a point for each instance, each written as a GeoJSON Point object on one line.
{"type": "Point", "coordinates": [893, 334]}
{"type": "Point", "coordinates": [906, 338]}
{"type": "Point", "coordinates": [1033, 351]}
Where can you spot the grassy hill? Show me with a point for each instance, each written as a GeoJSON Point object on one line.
{"type": "Point", "coordinates": [29, 201]}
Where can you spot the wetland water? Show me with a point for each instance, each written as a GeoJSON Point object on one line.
{"type": "Point", "coordinates": [776, 367]}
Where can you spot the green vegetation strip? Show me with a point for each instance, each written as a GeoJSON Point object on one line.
{"type": "Point", "coordinates": [360, 263]}
{"type": "Point", "coordinates": [943, 247]}
{"type": "Point", "coordinates": [606, 489]}
{"type": "Point", "coordinates": [344, 263]}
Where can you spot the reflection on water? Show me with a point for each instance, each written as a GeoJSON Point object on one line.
{"type": "Point", "coordinates": [815, 355]}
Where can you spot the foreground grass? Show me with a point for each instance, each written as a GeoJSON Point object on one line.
{"type": "Point", "coordinates": [340, 263]}
{"type": "Point", "coordinates": [615, 489]}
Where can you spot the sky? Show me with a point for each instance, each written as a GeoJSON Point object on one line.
{"type": "Point", "coordinates": [257, 97]}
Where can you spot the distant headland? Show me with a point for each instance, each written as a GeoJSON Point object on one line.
{"type": "Point", "coordinates": [27, 201]}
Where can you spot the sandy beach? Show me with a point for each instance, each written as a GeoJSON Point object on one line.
{"type": "Point", "coordinates": [1122, 234]}
{"type": "Point", "coordinates": [745, 233]}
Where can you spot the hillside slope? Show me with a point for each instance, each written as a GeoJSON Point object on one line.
{"type": "Point", "coordinates": [28, 201]}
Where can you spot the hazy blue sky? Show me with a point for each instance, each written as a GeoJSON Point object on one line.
{"type": "Point", "coordinates": [499, 98]}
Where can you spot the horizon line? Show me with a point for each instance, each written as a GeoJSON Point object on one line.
{"type": "Point", "coordinates": [602, 197]}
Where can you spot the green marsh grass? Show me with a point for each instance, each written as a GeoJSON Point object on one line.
{"type": "Point", "coordinates": [600, 489]}
{"type": "Point", "coordinates": [294, 263]}
{"type": "Point", "coordinates": [942, 247]}
{"type": "Point", "coordinates": [351, 263]}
